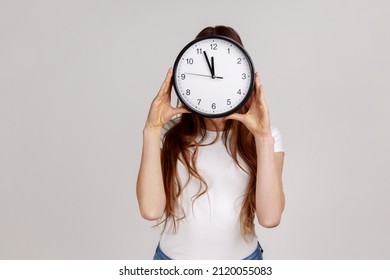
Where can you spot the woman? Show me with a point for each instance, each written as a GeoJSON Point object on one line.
{"type": "Point", "coordinates": [210, 178]}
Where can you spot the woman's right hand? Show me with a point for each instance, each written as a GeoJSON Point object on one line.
{"type": "Point", "coordinates": [161, 110]}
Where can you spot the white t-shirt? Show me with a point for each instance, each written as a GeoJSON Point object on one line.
{"type": "Point", "coordinates": [211, 227]}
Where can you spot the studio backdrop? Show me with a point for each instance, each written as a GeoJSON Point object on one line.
{"type": "Point", "coordinates": [76, 82]}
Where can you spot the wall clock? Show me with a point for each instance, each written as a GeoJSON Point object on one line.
{"type": "Point", "coordinates": [213, 76]}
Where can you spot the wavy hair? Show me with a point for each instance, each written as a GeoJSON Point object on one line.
{"type": "Point", "coordinates": [182, 142]}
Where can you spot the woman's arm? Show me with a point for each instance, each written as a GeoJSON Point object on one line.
{"type": "Point", "coordinates": [150, 185]}
{"type": "Point", "coordinates": [269, 189]}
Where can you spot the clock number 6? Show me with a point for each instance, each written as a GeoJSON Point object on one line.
{"type": "Point", "coordinates": [213, 106]}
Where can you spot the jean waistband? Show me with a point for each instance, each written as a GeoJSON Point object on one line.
{"type": "Point", "coordinates": [256, 255]}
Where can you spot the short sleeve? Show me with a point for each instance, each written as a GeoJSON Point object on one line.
{"type": "Point", "coordinates": [278, 146]}
{"type": "Point", "coordinates": [165, 129]}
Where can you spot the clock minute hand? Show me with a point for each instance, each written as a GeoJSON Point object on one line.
{"type": "Point", "coordinates": [216, 77]}
{"type": "Point", "coordinates": [208, 63]}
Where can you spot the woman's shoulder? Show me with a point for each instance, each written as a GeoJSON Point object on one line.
{"type": "Point", "coordinates": [166, 128]}
{"type": "Point", "coordinates": [275, 132]}
{"type": "Point", "coordinates": [169, 125]}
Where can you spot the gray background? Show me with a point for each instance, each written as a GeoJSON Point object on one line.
{"type": "Point", "coordinates": [76, 82]}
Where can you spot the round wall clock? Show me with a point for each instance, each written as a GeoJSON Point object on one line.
{"type": "Point", "coordinates": [213, 76]}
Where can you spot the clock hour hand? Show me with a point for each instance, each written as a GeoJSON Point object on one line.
{"type": "Point", "coordinates": [215, 77]}
{"type": "Point", "coordinates": [211, 67]}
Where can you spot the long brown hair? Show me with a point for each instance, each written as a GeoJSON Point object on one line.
{"type": "Point", "coordinates": [185, 135]}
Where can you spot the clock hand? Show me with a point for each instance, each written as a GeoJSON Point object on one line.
{"type": "Point", "coordinates": [216, 77]}
{"type": "Point", "coordinates": [210, 67]}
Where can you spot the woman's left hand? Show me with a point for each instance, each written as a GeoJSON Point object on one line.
{"type": "Point", "coordinates": [257, 118]}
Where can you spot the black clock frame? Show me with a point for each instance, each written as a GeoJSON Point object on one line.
{"type": "Point", "coordinates": [247, 95]}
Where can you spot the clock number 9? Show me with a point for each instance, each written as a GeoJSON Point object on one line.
{"type": "Point", "coordinates": [213, 106]}
{"type": "Point", "coordinates": [183, 76]}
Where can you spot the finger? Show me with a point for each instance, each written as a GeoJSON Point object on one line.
{"type": "Point", "coordinates": [257, 86]}
{"type": "Point", "coordinates": [180, 110]}
{"type": "Point", "coordinates": [261, 96]}
{"type": "Point", "coordinates": [169, 85]}
{"type": "Point", "coordinates": [260, 91]}
{"type": "Point", "coordinates": [166, 83]}
{"type": "Point", "coordinates": [235, 116]}
{"type": "Point", "coordinates": [252, 98]}
{"type": "Point", "coordinates": [262, 103]}
{"type": "Point", "coordinates": [254, 91]}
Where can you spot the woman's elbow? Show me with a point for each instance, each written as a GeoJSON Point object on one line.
{"type": "Point", "coordinates": [270, 222]}
{"type": "Point", "coordinates": [152, 211]}
{"type": "Point", "coordinates": [151, 215]}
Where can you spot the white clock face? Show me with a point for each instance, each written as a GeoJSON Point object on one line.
{"type": "Point", "coordinates": [213, 76]}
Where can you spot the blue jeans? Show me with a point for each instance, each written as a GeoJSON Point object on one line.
{"type": "Point", "coordinates": [256, 255]}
